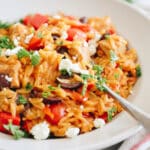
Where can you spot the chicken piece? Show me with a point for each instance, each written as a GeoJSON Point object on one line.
{"type": "Point", "coordinates": [115, 43]}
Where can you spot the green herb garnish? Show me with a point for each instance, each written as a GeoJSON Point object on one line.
{"type": "Point", "coordinates": [28, 86]}
{"type": "Point", "coordinates": [116, 76]}
{"type": "Point", "coordinates": [35, 59]}
{"type": "Point", "coordinates": [23, 53]}
{"type": "Point", "coordinates": [111, 113]}
{"type": "Point", "coordinates": [4, 25]}
{"type": "Point", "coordinates": [100, 82]}
{"type": "Point", "coordinates": [85, 78]}
{"type": "Point", "coordinates": [5, 42]}
{"type": "Point", "coordinates": [39, 35]}
{"type": "Point", "coordinates": [138, 71]}
{"type": "Point", "coordinates": [113, 56]}
{"type": "Point", "coordinates": [98, 69]}
{"type": "Point", "coordinates": [22, 100]}
{"type": "Point", "coordinates": [46, 94]}
{"type": "Point", "coordinates": [107, 36]}
{"type": "Point", "coordinates": [65, 72]}
{"type": "Point", "coordinates": [15, 130]}
{"type": "Point", "coordinates": [51, 88]}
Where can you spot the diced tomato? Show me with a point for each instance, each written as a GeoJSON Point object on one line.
{"type": "Point", "coordinates": [80, 98]}
{"type": "Point", "coordinates": [35, 20]}
{"type": "Point", "coordinates": [5, 118]}
{"type": "Point", "coordinates": [75, 33]}
{"type": "Point", "coordinates": [82, 27]}
{"type": "Point", "coordinates": [90, 86]}
{"type": "Point", "coordinates": [27, 20]}
{"type": "Point", "coordinates": [104, 116]}
{"type": "Point", "coordinates": [35, 43]}
{"type": "Point", "coordinates": [38, 20]}
{"type": "Point", "coordinates": [54, 113]}
{"type": "Point", "coordinates": [27, 125]}
{"type": "Point", "coordinates": [111, 31]}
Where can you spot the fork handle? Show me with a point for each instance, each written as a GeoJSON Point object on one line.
{"type": "Point", "coordinates": [136, 112]}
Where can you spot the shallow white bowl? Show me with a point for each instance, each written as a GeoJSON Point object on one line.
{"type": "Point", "coordinates": [130, 23]}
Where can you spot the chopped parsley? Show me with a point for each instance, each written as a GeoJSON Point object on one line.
{"type": "Point", "coordinates": [100, 82]}
{"type": "Point", "coordinates": [107, 36]}
{"type": "Point", "coordinates": [39, 35]}
{"type": "Point", "coordinates": [110, 113]}
{"type": "Point", "coordinates": [85, 78]}
{"type": "Point", "coordinates": [5, 42]}
{"type": "Point", "coordinates": [22, 100]}
{"type": "Point", "coordinates": [98, 69]}
{"type": "Point", "coordinates": [113, 56]}
{"type": "Point", "coordinates": [15, 130]}
{"type": "Point", "coordinates": [138, 71]}
{"type": "Point", "coordinates": [51, 88]}
{"type": "Point", "coordinates": [4, 25]}
{"type": "Point", "coordinates": [116, 76]}
{"type": "Point", "coordinates": [28, 86]}
{"type": "Point", "coordinates": [23, 53]}
{"type": "Point", "coordinates": [35, 59]}
{"type": "Point", "coordinates": [65, 72]}
{"type": "Point", "coordinates": [46, 94]}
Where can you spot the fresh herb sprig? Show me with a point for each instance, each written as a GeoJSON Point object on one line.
{"type": "Point", "coordinates": [138, 71]}
{"type": "Point", "coordinates": [110, 113]}
{"type": "Point", "coordinates": [15, 130]}
{"type": "Point", "coordinates": [5, 42]}
{"type": "Point", "coordinates": [4, 25]}
{"type": "Point", "coordinates": [22, 100]}
{"type": "Point", "coordinates": [34, 56]}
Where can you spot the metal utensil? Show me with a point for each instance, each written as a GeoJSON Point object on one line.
{"type": "Point", "coordinates": [136, 112]}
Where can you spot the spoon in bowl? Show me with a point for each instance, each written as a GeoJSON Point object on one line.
{"type": "Point", "coordinates": [133, 110]}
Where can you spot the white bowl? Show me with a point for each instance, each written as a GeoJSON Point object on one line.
{"type": "Point", "coordinates": [130, 23]}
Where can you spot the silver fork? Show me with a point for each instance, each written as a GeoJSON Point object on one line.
{"type": "Point", "coordinates": [137, 113]}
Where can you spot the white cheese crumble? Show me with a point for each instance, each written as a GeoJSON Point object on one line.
{"type": "Point", "coordinates": [9, 79]}
{"type": "Point", "coordinates": [81, 107]}
{"type": "Point", "coordinates": [28, 38]}
{"type": "Point", "coordinates": [72, 132]}
{"type": "Point", "coordinates": [99, 123]}
{"type": "Point", "coordinates": [14, 51]}
{"type": "Point", "coordinates": [15, 40]}
{"type": "Point", "coordinates": [92, 47]}
{"type": "Point", "coordinates": [64, 35]}
{"type": "Point", "coordinates": [40, 131]}
{"type": "Point", "coordinates": [69, 66]}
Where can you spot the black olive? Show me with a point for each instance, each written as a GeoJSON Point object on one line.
{"type": "Point", "coordinates": [83, 19]}
{"type": "Point", "coordinates": [3, 81]}
{"type": "Point", "coordinates": [55, 36]}
{"type": "Point", "coordinates": [62, 49]}
{"type": "Point", "coordinates": [35, 92]}
{"type": "Point", "coordinates": [52, 100]}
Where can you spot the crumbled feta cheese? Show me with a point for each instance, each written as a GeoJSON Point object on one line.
{"type": "Point", "coordinates": [92, 47]}
{"type": "Point", "coordinates": [14, 51]}
{"type": "Point", "coordinates": [69, 66]}
{"type": "Point", "coordinates": [40, 131]}
{"type": "Point", "coordinates": [36, 53]}
{"type": "Point", "coordinates": [56, 16]}
{"type": "Point", "coordinates": [72, 132]}
{"type": "Point", "coordinates": [9, 79]}
{"type": "Point", "coordinates": [16, 42]}
{"type": "Point", "coordinates": [64, 35]}
{"type": "Point", "coordinates": [97, 36]}
{"type": "Point", "coordinates": [98, 123]}
{"type": "Point", "coordinates": [28, 38]}
{"type": "Point", "coordinates": [81, 107]}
